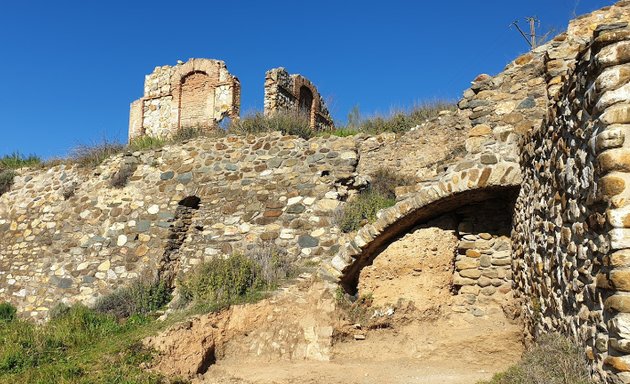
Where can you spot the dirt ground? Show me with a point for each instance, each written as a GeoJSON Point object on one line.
{"type": "Point", "coordinates": [458, 350]}
{"type": "Point", "coordinates": [305, 334]}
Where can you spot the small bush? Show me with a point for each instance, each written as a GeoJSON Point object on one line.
{"type": "Point", "coordinates": [17, 160]}
{"type": "Point", "coordinates": [288, 123]}
{"type": "Point", "coordinates": [139, 298]}
{"type": "Point", "coordinates": [555, 360]}
{"type": "Point", "coordinates": [275, 264]}
{"type": "Point", "coordinates": [363, 209]}
{"type": "Point", "coordinates": [223, 281]}
{"type": "Point", "coordinates": [384, 182]}
{"type": "Point", "coordinates": [94, 155]}
{"type": "Point", "coordinates": [6, 180]}
{"type": "Point", "coordinates": [238, 278]}
{"type": "Point", "coordinates": [7, 312]}
{"type": "Point", "coordinates": [59, 310]}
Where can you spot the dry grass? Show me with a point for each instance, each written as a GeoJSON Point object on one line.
{"type": "Point", "coordinates": [288, 123]}
{"type": "Point", "coordinates": [555, 360]}
{"type": "Point", "coordinates": [398, 121]}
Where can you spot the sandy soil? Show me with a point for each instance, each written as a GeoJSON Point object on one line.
{"type": "Point", "coordinates": [303, 335]}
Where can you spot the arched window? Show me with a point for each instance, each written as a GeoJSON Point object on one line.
{"type": "Point", "coordinates": [305, 100]}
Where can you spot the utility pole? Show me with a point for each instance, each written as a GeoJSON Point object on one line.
{"type": "Point", "coordinates": [531, 37]}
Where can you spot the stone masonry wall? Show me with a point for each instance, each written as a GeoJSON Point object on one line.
{"type": "Point", "coordinates": [295, 94]}
{"type": "Point", "coordinates": [483, 257]}
{"type": "Point", "coordinates": [570, 236]}
{"type": "Point", "coordinates": [67, 235]}
{"type": "Point", "coordinates": [195, 94]}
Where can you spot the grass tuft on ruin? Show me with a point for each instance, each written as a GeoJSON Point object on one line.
{"type": "Point", "coordinates": [288, 123]}
{"type": "Point", "coordinates": [363, 208]}
{"type": "Point", "coordinates": [239, 278]}
{"type": "Point", "coordinates": [554, 360]}
{"type": "Point", "coordinates": [398, 121]}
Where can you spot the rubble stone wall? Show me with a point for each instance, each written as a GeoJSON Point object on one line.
{"type": "Point", "coordinates": [195, 94]}
{"type": "Point", "coordinates": [67, 235]}
{"type": "Point", "coordinates": [570, 239]}
{"type": "Point", "coordinates": [295, 94]}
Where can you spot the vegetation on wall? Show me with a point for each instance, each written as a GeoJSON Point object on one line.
{"type": "Point", "coordinates": [8, 166]}
{"type": "Point", "coordinates": [362, 209]}
{"type": "Point", "coordinates": [554, 360]}
{"type": "Point", "coordinates": [398, 121]}
{"type": "Point", "coordinates": [239, 278]}
{"type": "Point", "coordinates": [288, 123]}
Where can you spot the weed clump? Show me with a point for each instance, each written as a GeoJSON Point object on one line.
{"type": "Point", "coordinates": [296, 124]}
{"type": "Point", "coordinates": [93, 155]}
{"type": "Point", "coordinates": [139, 298]}
{"type": "Point", "coordinates": [363, 208]}
{"type": "Point", "coordinates": [397, 121]}
{"type": "Point", "coordinates": [238, 278]}
{"type": "Point", "coordinates": [17, 160]}
{"type": "Point", "coordinates": [7, 312]}
{"type": "Point", "coordinates": [6, 180]}
{"type": "Point", "coordinates": [78, 345]}
{"type": "Point", "coordinates": [555, 360]}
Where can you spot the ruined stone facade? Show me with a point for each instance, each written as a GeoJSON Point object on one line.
{"type": "Point", "coordinates": [537, 200]}
{"type": "Point", "coordinates": [196, 94]}
{"type": "Point", "coordinates": [285, 93]}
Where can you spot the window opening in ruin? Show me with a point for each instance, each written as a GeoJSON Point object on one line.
{"type": "Point", "coordinates": [305, 100]}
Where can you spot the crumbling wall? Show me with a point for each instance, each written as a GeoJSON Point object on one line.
{"type": "Point", "coordinates": [570, 238]}
{"type": "Point", "coordinates": [295, 94]}
{"type": "Point", "coordinates": [195, 94]}
{"type": "Point", "coordinates": [182, 205]}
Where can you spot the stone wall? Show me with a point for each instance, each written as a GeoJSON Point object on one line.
{"type": "Point", "coordinates": [570, 236]}
{"type": "Point", "coordinates": [195, 94]}
{"type": "Point", "coordinates": [68, 236]}
{"type": "Point", "coordinates": [295, 94]}
{"type": "Point", "coordinates": [483, 256]}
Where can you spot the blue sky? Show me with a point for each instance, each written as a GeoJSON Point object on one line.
{"type": "Point", "coordinates": [71, 68]}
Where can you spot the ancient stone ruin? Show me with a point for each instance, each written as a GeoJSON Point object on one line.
{"type": "Point", "coordinates": [285, 93]}
{"type": "Point", "coordinates": [196, 94]}
{"type": "Point", "coordinates": [201, 93]}
{"type": "Point", "coordinates": [526, 187]}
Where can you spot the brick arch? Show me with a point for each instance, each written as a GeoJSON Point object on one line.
{"type": "Point", "coordinates": [451, 192]}
{"type": "Point", "coordinates": [301, 85]}
{"type": "Point", "coordinates": [215, 72]}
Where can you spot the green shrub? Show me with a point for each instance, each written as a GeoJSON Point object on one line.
{"type": "Point", "coordinates": [6, 180]}
{"type": "Point", "coordinates": [17, 160]}
{"type": "Point", "coordinates": [362, 210]}
{"type": "Point", "coordinates": [555, 360]}
{"type": "Point", "coordinates": [139, 298]}
{"type": "Point", "coordinates": [239, 278]}
{"type": "Point", "coordinates": [223, 281]}
{"type": "Point", "coordinates": [94, 155]}
{"type": "Point", "coordinates": [288, 123]}
{"type": "Point", "coordinates": [7, 312]}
